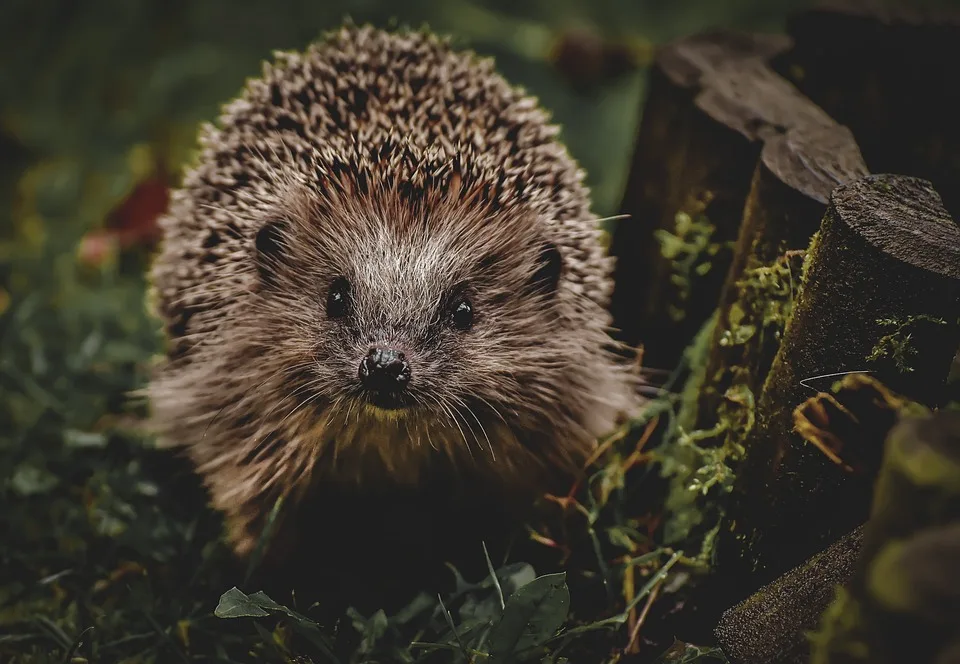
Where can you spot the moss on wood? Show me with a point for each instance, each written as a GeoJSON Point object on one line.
{"type": "Point", "coordinates": [886, 250]}
{"type": "Point", "coordinates": [788, 197]}
{"type": "Point", "coordinates": [712, 102]}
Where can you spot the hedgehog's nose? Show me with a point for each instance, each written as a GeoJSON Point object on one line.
{"type": "Point", "coordinates": [384, 370]}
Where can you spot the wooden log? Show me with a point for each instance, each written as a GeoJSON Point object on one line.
{"type": "Point", "coordinates": [712, 101]}
{"type": "Point", "coordinates": [770, 626]}
{"type": "Point", "coordinates": [881, 280]}
{"type": "Point", "coordinates": [788, 198]}
{"type": "Point", "coordinates": [882, 69]}
{"type": "Point", "coordinates": [903, 603]}
{"type": "Point", "coordinates": [848, 425]}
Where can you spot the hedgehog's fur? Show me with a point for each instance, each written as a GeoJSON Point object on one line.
{"type": "Point", "coordinates": [410, 168]}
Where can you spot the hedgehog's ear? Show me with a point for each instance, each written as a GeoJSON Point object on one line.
{"type": "Point", "coordinates": [546, 279]}
{"type": "Point", "coordinates": [270, 245]}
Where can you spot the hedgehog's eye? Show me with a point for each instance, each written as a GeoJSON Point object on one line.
{"type": "Point", "coordinates": [338, 298]}
{"type": "Point", "coordinates": [461, 314]}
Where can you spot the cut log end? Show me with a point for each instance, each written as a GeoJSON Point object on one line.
{"type": "Point", "coordinates": [686, 60]}
{"type": "Point", "coordinates": [814, 160]}
{"type": "Point", "coordinates": [904, 217]}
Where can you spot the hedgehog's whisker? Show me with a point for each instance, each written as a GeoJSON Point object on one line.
{"type": "Point", "coordinates": [480, 424]}
{"type": "Point", "coordinates": [456, 411]}
{"type": "Point", "coordinates": [494, 410]}
{"type": "Point", "coordinates": [600, 220]}
{"type": "Point", "coordinates": [450, 413]}
{"type": "Point", "coordinates": [282, 370]}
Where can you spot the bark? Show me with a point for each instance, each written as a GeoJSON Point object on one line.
{"type": "Point", "coordinates": [787, 200]}
{"type": "Point", "coordinates": [770, 626]}
{"type": "Point", "coordinates": [712, 101]}
{"type": "Point", "coordinates": [903, 603]}
{"type": "Point", "coordinates": [881, 280]}
{"type": "Point", "coordinates": [886, 70]}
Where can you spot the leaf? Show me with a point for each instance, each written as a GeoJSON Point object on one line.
{"type": "Point", "coordinates": [531, 616]}
{"type": "Point", "coordinates": [374, 630]}
{"type": "Point", "coordinates": [235, 604]}
{"type": "Point", "coordinates": [32, 480]}
{"type": "Point", "coordinates": [77, 438]}
{"type": "Point", "coordinates": [514, 576]}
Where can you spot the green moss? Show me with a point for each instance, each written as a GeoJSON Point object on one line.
{"type": "Point", "coordinates": [808, 259]}
{"type": "Point", "coordinates": [896, 345]}
{"type": "Point", "coordinates": [696, 356]}
{"type": "Point", "coordinates": [690, 251]}
{"type": "Point", "coordinates": [766, 295]}
{"type": "Point", "coordinates": [700, 466]}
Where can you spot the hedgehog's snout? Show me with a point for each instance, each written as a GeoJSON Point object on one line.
{"type": "Point", "coordinates": [385, 373]}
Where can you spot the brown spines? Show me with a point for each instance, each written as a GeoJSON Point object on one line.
{"type": "Point", "coordinates": [373, 145]}
{"type": "Point", "coordinates": [400, 111]}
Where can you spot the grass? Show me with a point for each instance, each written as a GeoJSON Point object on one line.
{"type": "Point", "coordinates": [108, 552]}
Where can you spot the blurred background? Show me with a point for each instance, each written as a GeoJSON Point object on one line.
{"type": "Point", "coordinates": [99, 83]}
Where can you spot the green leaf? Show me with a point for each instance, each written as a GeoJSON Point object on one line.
{"type": "Point", "coordinates": [235, 604]}
{"type": "Point", "coordinates": [373, 631]}
{"type": "Point", "coordinates": [32, 480]}
{"type": "Point", "coordinates": [76, 438]}
{"type": "Point", "coordinates": [531, 616]}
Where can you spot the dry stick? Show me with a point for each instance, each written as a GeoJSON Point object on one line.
{"type": "Point", "coordinates": [903, 604]}
{"type": "Point", "coordinates": [769, 626]}
{"type": "Point", "coordinates": [712, 101]}
{"type": "Point", "coordinates": [878, 68]}
{"type": "Point", "coordinates": [788, 197]}
{"type": "Point", "coordinates": [880, 292]}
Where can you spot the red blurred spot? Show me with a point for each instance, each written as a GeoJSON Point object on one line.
{"type": "Point", "coordinates": [133, 223]}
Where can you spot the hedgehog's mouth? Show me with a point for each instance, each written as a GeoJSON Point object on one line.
{"type": "Point", "coordinates": [388, 400]}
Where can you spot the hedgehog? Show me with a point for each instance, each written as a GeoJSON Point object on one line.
{"type": "Point", "coordinates": [381, 280]}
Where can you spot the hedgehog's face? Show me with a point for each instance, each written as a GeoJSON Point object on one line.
{"type": "Point", "coordinates": [423, 322]}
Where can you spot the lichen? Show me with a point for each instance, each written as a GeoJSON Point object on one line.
{"type": "Point", "coordinates": [897, 344]}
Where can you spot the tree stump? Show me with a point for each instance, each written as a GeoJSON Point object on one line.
{"type": "Point", "coordinates": [879, 68]}
{"type": "Point", "coordinates": [770, 626]}
{"type": "Point", "coordinates": [788, 198]}
{"type": "Point", "coordinates": [712, 101]}
{"type": "Point", "coordinates": [881, 280]}
{"type": "Point", "coordinates": [903, 603]}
